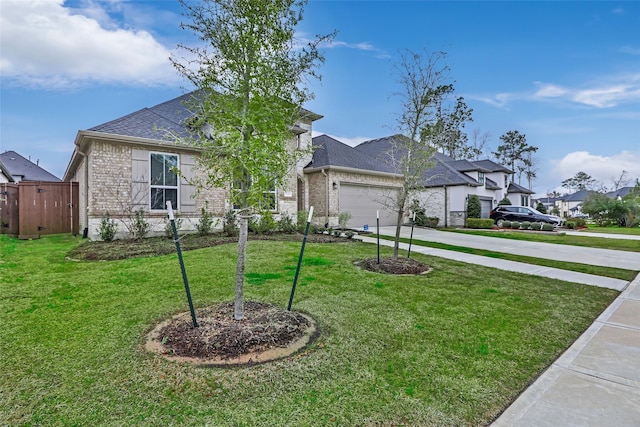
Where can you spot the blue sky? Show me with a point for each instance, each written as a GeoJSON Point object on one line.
{"type": "Point", "coordinates": [564, 73]}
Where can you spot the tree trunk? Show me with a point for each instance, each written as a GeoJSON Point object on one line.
{"type": "Point", "coordinates": [396, 243]}
{"type": "Point", "coordinates": [238, 310]}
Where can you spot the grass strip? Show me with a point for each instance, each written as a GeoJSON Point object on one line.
{"type": "Point", "coordinates": [613, 230]}
{"type": "Point", "coordinates": [616, 273]}
{"type": "Point", "coordinates": [450, 348]}
{"type": "Point", "coordinates": [562, 239]}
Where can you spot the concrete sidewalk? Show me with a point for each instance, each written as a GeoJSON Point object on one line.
{"type": "Point", "coordinates": [596, 382]}
{"type": "Point", "coordinates": [603, 235]}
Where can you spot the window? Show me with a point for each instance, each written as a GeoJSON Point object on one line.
{"type": "Point", "coordinates": [164, 181]}
{"type": "Point", "coordinates": [481, 178]}
{"type": "Point", "coordinates": [524, 200]}
{"type": "Point", "coordinates": [270, 196]}
{"type": "Point", "coordinates": [506, 181]}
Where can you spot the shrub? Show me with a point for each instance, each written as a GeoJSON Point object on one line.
{"type": "Point", "coordinates": [580, 222]}
{"type": "Point", "coordinates": [506, 224]}
{"type": "Point", "coordinates": [432, 221]}
{"type": "Point", "coordinates": [266, 224]}
{"type": "Point", "coordinates": [108, 228]}
{"type": "Point", "coordinates": [525, 225]}
{"type": "Point", "coordinates": [349, 234]}
{"type": "Point", "coordinates": [547, 227]}
{"type": "Point", "coordinates": [337, 233]}
{"type": "Point", "coordinates": [505, 201]}
{"type": "Point", "coordinates": [285, 224]}
{"type": "Point", "coordinates": [540, 207]}
{"type": "Point", "coordinates": [343, 219]}
{"type": "Point", "coordinates": [536, 225]}
{"type": "Point", "coordinates": [205, 223]}
{"type": "Point", "coordinates": [570, 225]}
{"type": "Point", "coordinates": [302, 222]}
{"type": "Point", "coordinates": [474, 210]}
{"type": "Point", "coordinates": [479, 223]}
{"type": "Point", "coordinates": [141, 226]}
{"type": "Point", "coordinates": [421, 217]}
{"type": "Point", "coordinates": [515, 225]}
{"type": "Point", "coordinates": [229, 224]}
{"type": "Point", "coordinates": [168, 230]}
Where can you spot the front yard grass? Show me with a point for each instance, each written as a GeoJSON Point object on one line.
{"type": "Point", "coordinates": [450, 348]}
{"type": "Point", "coordinates": [562, 239]}
{"type": "Point", "coordinates": [613, 230]}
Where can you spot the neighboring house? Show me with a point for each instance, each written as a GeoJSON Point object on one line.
{"type": "Point", "coordinates": [619, 193]}
{"type": "Point", "coordinates": [127, 164]}
{"type": "Point", "coordinates": [571, 204]}
{"type": "Point", "coordinates": [360, 181]}
{"type": "Point", "coordinates": [15, 168]}
{"type": "Point", "coordinates": [5, 175]}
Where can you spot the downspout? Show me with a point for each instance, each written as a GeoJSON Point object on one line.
{"type": "Point", "coordinates": [326, 198]}
{"type": "Point", "coordinates": [85, 232]}
{"type": "Point", "coordinates": [446, 213]}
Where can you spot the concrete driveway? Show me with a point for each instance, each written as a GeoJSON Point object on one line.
{"type": "Point", "coordinates": [583, 255]}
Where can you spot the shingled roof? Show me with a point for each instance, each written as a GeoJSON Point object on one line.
{"type": "Point", "coordinates": [331, 152]}
{"type": "Point", "coordinates": [22, 169]}
{"type": "Point", "coordinates": [159, 122]}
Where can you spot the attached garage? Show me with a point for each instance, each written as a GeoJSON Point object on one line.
{"type": "Point", "coordinates": [485, 207]}
{"type": "Point", "coordinates": [362, 202]}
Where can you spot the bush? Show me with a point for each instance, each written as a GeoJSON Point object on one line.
{"type": "Point", "coordinates": [265, 225]}
{"type": "Point", "coordinates": [525, 225]}
{"type": "Point", "coordinates": [432, 221]}
{"type": "Point", "coordinates": [168, 230]}
{"type": "Point", "coordinates": [515, 225]}
{"type": "Point", "coordinates": [141, 226]}
{"type": "Point", "coordinates": [349, 234]}
{"type": "Point", "coordinates": [474, 210]}
{"type": "Point", "coordinates": [570, 225]}
{"type": "Point", "coordinates": [108, 228]}
{"type": "Point", "coordinates": [205, 223]}
{"type": "Point", "coordinates": [480, 223]}
{"type": "Point", "coordinates": [540, 207]}
{"type": "Point", "coordinates": [580, 222]}
{"type": "Point", "coordinates": [504, 202]}
{"type": "Point", "coordinates": [343, 219]}
{"type": "Point", "coordinates": [303, 216]}
{"type": "Point", "coordinates": [229, 224]}
{"type": "Point", "coordinates": [547, 227]}
{"type": "Point", "coordinates": [285, 224]}
{"type": "Point", "coordinates": [536, 225]}
{"type": "Point", "coordinates": [421, 219]}
{"type": "Point", "coordinates": [506, 224]}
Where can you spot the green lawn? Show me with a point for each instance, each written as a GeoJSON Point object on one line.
{"type": "Point", "coordinates": [616, 273]}
{"type": "Point", "coordinates": [614, 230]}
{"type": "Point", "coordinates": [562, 239]}
{"type": "Point", "coordinates": [451, 348]}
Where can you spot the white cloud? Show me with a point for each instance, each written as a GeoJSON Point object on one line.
{"type": "Point", "coordinates": [350, 141]}
{"type": "Point", "coordinates": [630, 50]}
{"type": "Point", "coordinates": [602, 168]}
{"type": "Point", "coordinates": [46, 44]}
{"type": "Point", "coordinates": [606, 93]}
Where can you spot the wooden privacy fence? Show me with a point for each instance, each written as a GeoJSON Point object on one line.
{"type": "Point", "coordinates": [30, 209]}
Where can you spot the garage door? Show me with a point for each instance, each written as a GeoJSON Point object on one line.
{"type": "Point", "coordinates": [363, 201]}
{"type": "Point", "coordinates": [485, 208]}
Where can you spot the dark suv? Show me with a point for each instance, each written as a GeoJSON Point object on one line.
{"type": "Point", "coordinates": [520, 214]}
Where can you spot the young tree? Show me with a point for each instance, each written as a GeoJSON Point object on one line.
{"type": "Point", "coordinates": [581, 181]}
{"type": "Point", "coordinates": [478, 143]}
{"type": "Point", "coordinates": [514, 150]}
{"type": "Point", "coordinates": [424, 82]}
{"type": "Point", "coordinates": [250, 73]}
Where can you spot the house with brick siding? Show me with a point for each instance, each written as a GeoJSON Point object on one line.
{"type": "Point", "coordinates": [360, 181]}
{"type": "Point", "coordinates": [129, 163]}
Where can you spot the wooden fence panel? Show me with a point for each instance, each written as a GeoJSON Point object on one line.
{"type": "Point", "coordinates": [33, 208]}
{"type": "Point", "coordinates": [9, 210]}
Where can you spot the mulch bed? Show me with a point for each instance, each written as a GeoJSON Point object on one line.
{"type": "Point", "coordinates": [219, 339]}
{"type": "Point", "coordinates": [397, 266]}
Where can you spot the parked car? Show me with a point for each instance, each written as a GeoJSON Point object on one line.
{"type": "Point", "coordinates": [522, 213]}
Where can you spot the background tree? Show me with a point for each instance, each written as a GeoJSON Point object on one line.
{"type": "Point", "coordinates": [621, 181]}
{"type": "Point", "coordinates": [581, 181]}
{"type": "Point", "coordinates": [447, 134]}
{"type": "Point", "coordinates": [514, 150]}
{"type": "Point", "coordinates": [250, 74]}
{"type": "Point", "coordinates": [478, 143]}
{"type": "Point", "coordinates": [423, 123]}
{"type": "Point", "coordinates": [540, 207]}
